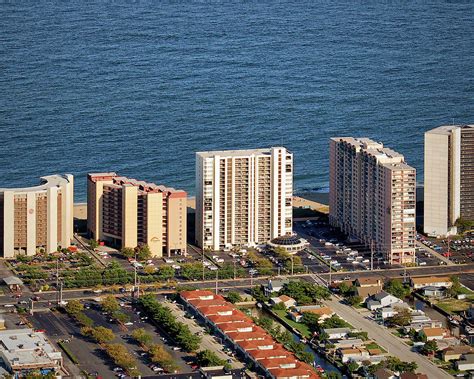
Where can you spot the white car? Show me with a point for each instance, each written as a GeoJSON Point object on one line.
{"type": "Point", "coordinates": [212, 268]}
{"type": "Point", "coordinates": [176, 267]}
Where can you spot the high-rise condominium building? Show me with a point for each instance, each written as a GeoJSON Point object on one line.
{"type": "Point", "coordinates": [37, 219]}
{"type": "Point", "coordinates": [372, 196]}
{"type": "Point", "coordinates": [449, 178]}
{"type": "Point", "coordinates": [127, 213]}
{"type": "Point", "coordinates": [243, 197]}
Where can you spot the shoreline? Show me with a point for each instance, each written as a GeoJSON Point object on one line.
{"type": "Point", "coordinates": [318, 201]}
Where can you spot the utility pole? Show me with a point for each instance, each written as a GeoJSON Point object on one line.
{"type": "Point", "coordinates": [235, 271]}
{"type": "Point", "coordinates": [217, 281]}
{"type": "Point", "coordinates": [57, 280]}
{"type": "Point", "coordinates": [330, 273]}
{"type": "Point", "coordinates": [449, 247]}
{"type": "Point", "coordinates": [372, 256]}
{"type": "Point", "coordinates": [251, 280]}
{"type": "Point", "coordinates": [61, 293]}
{"type": "Point", "coordinates": [203, 273]}
{"type": "Point", "coordinates": [31, 306]}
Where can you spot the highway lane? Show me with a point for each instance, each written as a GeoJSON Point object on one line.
{"type": "Point", "coordinates": [50, 297]}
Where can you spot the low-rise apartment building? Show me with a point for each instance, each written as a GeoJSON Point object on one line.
{"type": "Point", "coordinates": [372, 197]}
{"type": "Point", "coordinates": [251, 341]}
{"type": "Point", "coordinates": [127, 213]}
{"type": "Point", "coordinates": [36, 219]}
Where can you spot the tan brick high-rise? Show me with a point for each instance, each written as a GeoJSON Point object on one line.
{"type": "Point", "coordinates": [243, 197]}
{"type": "Point", "coordinates": [37, 218]}
{"type": "Point", "coordinates": [126, 213]}
{"type": "Point", "coordinates": [449, 178]}
{"type": "Point", "coordinates": [372, 196]}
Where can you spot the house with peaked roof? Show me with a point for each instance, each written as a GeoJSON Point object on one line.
{"type": "Point", "coordinates": [286, 300]}
{"type": "Point", "coordinates": [434, 333]}
{"type": "Point", "coordinates": [455, 352]}
{"type": "Point", "coordinates": [431, 281]}
{"type": "Point", "coordinates": [381, 300]}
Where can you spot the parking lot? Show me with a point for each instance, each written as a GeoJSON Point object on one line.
{"type": "Point", "coordinates": [60, 327]}
{"type": "Point", "coordinates": [335, 250]}
{"type": "Point", "coordinates": [461, 249]}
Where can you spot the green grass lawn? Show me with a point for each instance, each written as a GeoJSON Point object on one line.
{"type": "Point", "coordinates": [455, 305]}
{"type": "Point", "coordinates": [374, 345]}
{"type": "Point", "coordinates": [297, 325]}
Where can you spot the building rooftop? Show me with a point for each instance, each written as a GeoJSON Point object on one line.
{"type": "Point", "coordinates": [12, 281]}
{"type": "Point", "coordinates": [144, 187]}
{"type": "Point", "coordinates": [25, 347]}
{"type": "Point", "coordinates": [447, 129]}
{"type": "Point", "coordinates": [434, 332]}
{"type": "Point", "coordinates": [431, 279]}
{"type": "Point", "coordinates": [237, 153]}
{"type": "Point", "coordinates": [45, 183]}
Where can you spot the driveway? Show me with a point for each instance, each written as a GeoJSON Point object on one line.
{"type": "Point", "coordinates": [383, 337]}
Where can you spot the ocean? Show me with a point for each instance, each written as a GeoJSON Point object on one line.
{"type": "Point", "coordinates": [138, 87]}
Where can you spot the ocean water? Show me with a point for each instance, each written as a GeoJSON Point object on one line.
{"type": "Point", "coordinates": [138, 87]}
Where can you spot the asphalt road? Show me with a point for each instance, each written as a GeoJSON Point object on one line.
{"type": "Point", "coordinates": [387, 340]}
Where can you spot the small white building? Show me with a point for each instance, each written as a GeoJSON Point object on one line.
{"type": "Point", "coordinates": [337, 333]}
{"type": "Point", "coordinates": [431, 281]}
{"type": "Point", "coordinates": [286, 300]}
{"type": "Point", "coordinates": [381, 300]}
{"type": "Point", "coordinates": [466, 363]}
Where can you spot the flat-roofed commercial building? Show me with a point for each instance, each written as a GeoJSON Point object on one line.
{"type": "Point", "coordinates": [127, 212]}
{"type": "Point", "coordinates": [37, 218]}
{"type": "Point", "coordinates": [372, 196]}
{"type": "Point", "coordinates": [24, 351]}
{"type": "Point", "coordinates": [243, 197]}
{"type": "Point", "coordinates": [449, 178]}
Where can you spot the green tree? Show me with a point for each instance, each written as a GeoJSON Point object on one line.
{"type": "Point", "coordinates": [143, 252]}
{"type": "Point", "coordinates": [159, 355]}
{"type": "Point", "coordinates": [354, 300]}
{"type": "Point", "coordinates": [93, 244]}
{"type": "Point", "coordinates": [397, 288]}
{"type": "Point", "coordinates": [463, 225]}
{"type": "Point", "coordinates": [265, 322]}
{"type": "Point", "coordinates": [311, 320]}
{"type": "Point", "coordinates": [402, 318]}
{"type": "Point", "coordinates": [335, 322]}
{"type": "Point", "coordinates": [207, 358]}
{"type": "Point", "coordinates": [233, 297]}
{"type": "Point", "coordinates": [121, 317]}
{"type": "Point", "coordinates": [128, 252]}
{"type": "Point", "coordinates": [430, 347]}
{"type": "Point", "coordinates": [165, 272]}
{"type": "Point", "coordinates": [305, 292]}
{"type": "Point", "coordinates": [456, 287]}
{"type": "Point", "coordinates": [109, 304]}
{"type": "Point", "coordinates": [99, 334]}
{"type": "Point", "coordinates": [83, 320]}
{"type": "Point", "coordinates": [258, 294]}
{"type": "Point", "coordinates": [142, 337]}
{"type": "Point", "coordinates": [73, 307]}
{"type": "Point", "coordinates": [352, 366]}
